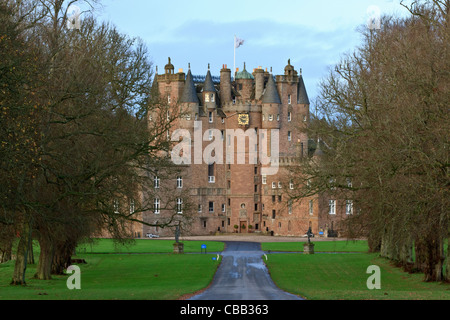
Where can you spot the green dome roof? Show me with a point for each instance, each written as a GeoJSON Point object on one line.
{"type": "Point", "coordinates": [244, 74]}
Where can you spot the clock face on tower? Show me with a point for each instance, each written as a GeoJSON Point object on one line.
{"type": "Point", "coordinates": [243, 119]}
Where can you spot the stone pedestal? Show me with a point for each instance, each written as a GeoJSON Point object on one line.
{"type": "Point", "coordinates": [178, 248]}
{"type": "Point", "coordinates": [308, 248]}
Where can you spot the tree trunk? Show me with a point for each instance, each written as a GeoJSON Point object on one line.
{"type": "Point", "coordinates": [6, 252]}
{"type": "Point", "coordinates": [434, 260]}
{"type": "Point", "coordinates": [21, 259]}
{"type": "Point", "coordinates": [62, 257]}
{"type": "Point", "coordinates": [447, 266]}
{"type": "Point", "coordinates": [30, 259]}
{"type": "Point", "coordinates": [44, 267]}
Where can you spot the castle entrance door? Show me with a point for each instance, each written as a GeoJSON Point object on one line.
{"type": "Point", "coordinates": [243, 227]}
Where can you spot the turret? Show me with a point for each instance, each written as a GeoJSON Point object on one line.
{"type": "Point", "coordinates": [271, 105]}
{"type": "Point", "coordinates": [209, 92]}
{"type": "Point", "coordinates": [244, 84]}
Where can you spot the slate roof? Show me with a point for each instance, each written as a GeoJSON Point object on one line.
{"type": "Point", "coordinates": [189, 93]}
{"type": "Point", "coordinates": [209, 84]}
{"type": "Point", "coordinates": [271, 93]}
{"type": "Point", "coordinates": [302, 95]}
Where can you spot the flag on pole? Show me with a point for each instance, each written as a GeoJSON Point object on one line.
{"type": "Point", "coordinates": [238, 42]}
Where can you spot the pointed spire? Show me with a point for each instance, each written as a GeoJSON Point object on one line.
{"type": "Point", "coordinates": [318, 152]}
{"type": "Point", "coordinates": [209, 84]}
{"type": "Point", "coordinates": [271, 93]}
{"type": "Point", "coordinates": [302, 95]}
{"type": "Point", "coordinates": [189, 93]}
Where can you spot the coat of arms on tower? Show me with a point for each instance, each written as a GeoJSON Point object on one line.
{"type": "Point", "coordinates": [243, 119]}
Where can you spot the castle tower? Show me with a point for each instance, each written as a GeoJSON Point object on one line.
{"type": "Point", "coordinates": [271, 105]}
{"type": "Point", "coordinates": [209, 93]}
{"type": "Point", "coordinates": [170, 84]}
{"type": "Point", "coordinates": [244, 85]}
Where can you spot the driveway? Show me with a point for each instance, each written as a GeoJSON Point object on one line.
{"type": "Point", "coordinates": [242, 275]}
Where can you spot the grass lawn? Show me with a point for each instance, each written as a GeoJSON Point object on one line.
{"type": "Point", "coordinates": [343, 276]}
{"type": "Point", "coordinates": [319, 246]}
{"type": "Point", "coordinates": [123, 276]}
{"type": "Point", "coordinates": [147, 246]}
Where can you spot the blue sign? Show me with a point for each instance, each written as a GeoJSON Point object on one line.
{"type": "Point", "coordinates": [214, 258]}
{"type": "Point", "coordinates": [320, 232]}
{"type": "Point", "coordinates": [203, 246]}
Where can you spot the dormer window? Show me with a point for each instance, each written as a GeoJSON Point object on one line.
{"type": "Point", "coordinates": [206, 97]}
{"type": "Point", "coordinates": [212, 97]}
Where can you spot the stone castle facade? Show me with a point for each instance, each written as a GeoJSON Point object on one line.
{"type": "Point", "coordinates": [239, 197]}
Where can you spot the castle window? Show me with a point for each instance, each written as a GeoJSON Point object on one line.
{"type": "Point", "coordinates": [179, 205]}
{"type": "Point", "coordinates": [199, 208]}
{"type": "Point", "coordinates": [279, 185]}
{"type": "Point", "coordinates": [212, 97]}
{"type": "Point", "coordinates": [289, 116]}
{"type": "Point", "coordinates": [132, 206]}
{"type": "Point", "coordinates": [290, 207]}
{"type": "Point", "coordinates": [274, 214]}
{"type": "Point", "coordinates": [211, 118]}
{"type": "Point", "coordinates": [311, 207]}
{"type": "Point", "coordinates": [179, 182]}
{"type": "Point", "coordinates": [289, 99]}
{"type": "Point", "coordinates": [270, 117]}
{"type": "Point", "coordinates": [156, 182]}
{"type": "Point", "coordinates": [211, 206]}
{"type": "Point", "coordinates": [274, 185]}
{"type": "Point", "coordinates": [349, 207]}
{"type": "Point", "coordinates": [264, 179]}
{"type": "Point", "coordinates": [211, 177]}
{"type": "Point", "coordinates": [206, 97]}
{"type": "Point", "coordinates": [289, 136]}
{"type": "Point", "coordinates": [291, 185]}
{"type": "Point", "coordinates": [168, 98]}
{"type": "Point", "coordinates": [116, 206]}
{"type": "Point", "coordinates": [332, 206]}
{"type": "Point", "coordinates": [278, 117]}
{"type": "Point", "coordinates": [157, 206]}
{"type": "Point", "coordinates": [223, 207]}
{"type": "Point", "coordinates": [210, 135]}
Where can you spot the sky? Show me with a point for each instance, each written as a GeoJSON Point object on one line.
{"type": "Point", "coordinates": [312, 34]}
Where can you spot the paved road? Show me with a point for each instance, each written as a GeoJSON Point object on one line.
{"type": "Point", "coordinates": [242, 275]}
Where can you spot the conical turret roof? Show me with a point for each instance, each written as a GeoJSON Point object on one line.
{"type": "Point", "coordinates": [302, 95]}
{"type": "Point", "coordinates": [271, 93]}
{"type": "Point", "coordinates": [189, 93]}
{"type": "Point", "coordinates": [209, 84]}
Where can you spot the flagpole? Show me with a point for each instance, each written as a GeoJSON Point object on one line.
{"type": "Point", "coordinates": [234, 65]}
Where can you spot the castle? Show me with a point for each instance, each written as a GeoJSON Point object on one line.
{"type": "Point", "coordinates": [239, 197]}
